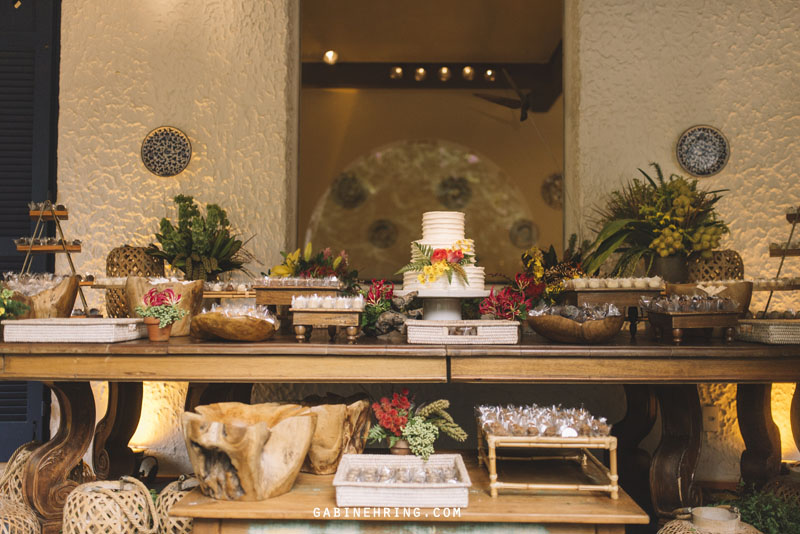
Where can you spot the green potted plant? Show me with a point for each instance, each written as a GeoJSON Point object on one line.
{"type": "Point", "coordinates": [659, 220]}
{"type": "Point", "coordinates": [407, 428]}
{"type": "Point", "coordinates": [203, 247]}
{"type": "Point", "coordinates": [160, 311]}
{"type": "Point", "coordinates": [10, 308]}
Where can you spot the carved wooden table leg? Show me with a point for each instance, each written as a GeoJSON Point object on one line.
{"type": "Point", "coordinates": [675, 460]}
{"type": "Point", "coordinates": [634, 462]}
{"type": "Point", "coordinates": [761, 459]}
{"type": "Point", "coordinates": [111, 455]}
{"type": "Point", "coordinates": [206, 393]}
{"type": "Point", "coordinates": [46, 484]}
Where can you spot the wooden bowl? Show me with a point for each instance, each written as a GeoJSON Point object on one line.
{"type": "Point", "coordinates": [241, 328]}
{"type": "Point", "coordinates": [557, 328]}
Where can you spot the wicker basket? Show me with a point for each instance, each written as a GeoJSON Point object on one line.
{"type": "Point", "coordinates": [480, 332]}
{"type": "Point", "coordinates": [11, 479]}
{"type": "Point", "coordinates": [170, 495]}
{"type": "Point", "coordinates": [16, 518]}
{"type": "Point", "coordinates": [723, 265]}
{"type": "Point", "coordinates": [125, 261]}
{"type": "Point", "coordinates": [401, 494]}
{"type": "Point", "coordinates": [122, 507]}
{"type": "Point", "coordinates": [708, 520]}
{"type": "Point", "coordinates": [769, 331]}
{"type": "Point", "coordinates": [76, 330]}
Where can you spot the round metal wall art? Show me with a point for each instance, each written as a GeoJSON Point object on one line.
{"type": "Point", "coordinates": [166, 151]}
{"type": "Point", "coordinates": [702, 150]}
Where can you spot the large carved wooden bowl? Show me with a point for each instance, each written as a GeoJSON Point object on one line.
{"type": "Point", "coordinates": [563, 330]}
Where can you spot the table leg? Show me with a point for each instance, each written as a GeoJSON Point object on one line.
{"type": "Point", "coordinates": [761, 459]}
{"type": "Point", "coordinates": [111, 455]}
{"type": "Point", "coordinates": [675, 460]}
{"type": "Point", "coordinates": [634, 462]}
{"type": "Point", "coordinates": [633, 317]}
{"type": "Point", "coordinates": [46, 483]}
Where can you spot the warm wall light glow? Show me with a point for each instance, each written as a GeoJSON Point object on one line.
{"type": "Point", "coordinates": [489, 75]}
{"type": "Point", "coordinates": [420, 74]}
{"type": "Point", "coordinates": [396, 73]}
{"type": "Point", "coordinates": [330, 57]}
{"type": "Point", "coordinates": [444, 74]}
{"type": "Point", "coordinates": [781, 408]}
{"type": "Point", "coordinates": [468, 73]}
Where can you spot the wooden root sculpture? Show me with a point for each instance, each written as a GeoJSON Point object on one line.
{"type": "Point", "coordinates": [56, 302]}
{"type": "Point", "coordinates": [191, 299]}
{"type": "Point", "coordinates": [248, 452]}
{"type": "Point", "coordinates": [342, 427]}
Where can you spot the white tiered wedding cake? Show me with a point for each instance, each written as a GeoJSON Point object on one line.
{"type": "Point", "coordinates": [443, 231]}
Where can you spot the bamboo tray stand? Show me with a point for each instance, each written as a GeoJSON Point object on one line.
{"type": "Point", "coordinates": [487, 455]}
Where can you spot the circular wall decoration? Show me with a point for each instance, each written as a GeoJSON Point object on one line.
{"type": "Point", "coordinates": [702, 150]}
{"type": "Point", "coordinates": [523, 233]}
{"type": "Point", "coordinates": [348, 191]}
{"type": "Point", "coordinates": [453, 192]}
{"type": "Point", "coordinates": [553, 191]}
{"type": "Point", "coordinates": [382, 233]}
{"type": "Point", "coordinates": [166, 151]}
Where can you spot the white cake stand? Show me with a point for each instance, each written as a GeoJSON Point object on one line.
{"type": "Point", "coordinates": [443, 304]}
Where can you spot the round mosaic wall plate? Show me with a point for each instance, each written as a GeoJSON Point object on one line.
{"type": "Point", "coordinates": [702, 150]}
{"type": "Point", "coordinates": [166, 151]}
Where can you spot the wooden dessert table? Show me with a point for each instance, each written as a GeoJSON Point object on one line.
{"type": "Point", "coordinates": [656, 375]}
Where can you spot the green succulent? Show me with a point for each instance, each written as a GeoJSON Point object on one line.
{"type": "Point", "coordinates": [203, 247]}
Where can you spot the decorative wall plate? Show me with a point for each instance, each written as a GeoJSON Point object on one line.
{"type": "Point", "coordinates": [166, 151]}
{"type": "Point", "coordinates": [702, 150]}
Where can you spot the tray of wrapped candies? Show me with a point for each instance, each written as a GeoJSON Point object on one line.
{"type": "Point", "coordinates": [676, 313]}
{"type": "Point", "coordinates": [570, 431]}
{"type": "Point", "coordinates": [402, 481]}
{"type": "Point", "coordinates": [576, 324]}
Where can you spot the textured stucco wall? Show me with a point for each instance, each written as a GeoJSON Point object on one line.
{"type": "Point", "coordinates": [638, 76]}
{"type": "Point", "coordinates": [223, 72]}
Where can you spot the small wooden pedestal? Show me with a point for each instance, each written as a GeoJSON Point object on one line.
{"type": "Point", "coordinates": [677, 322]}
{"type": "Point", "coordinates": [303, 319]}
{"type": "Point", "coordinates": [487, 455]}
{"type": "Point", "coordinates": [281, 298]}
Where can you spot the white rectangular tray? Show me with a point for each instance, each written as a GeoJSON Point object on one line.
{"type": "Point", "coordinates": [401, 494]}
{"type": "Point", "coordinates": [78, 330]}
{"type": "Point", "coordinates": [478, 332]}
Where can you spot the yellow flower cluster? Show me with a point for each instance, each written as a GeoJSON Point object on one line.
{"type": "Point", "coordinates": [534, 262]}
{"type": "Point", "coordinates": [431, 273]}
{"type": "Point", "coordinates": [465, 245]}
{"type": "Point", "coordinates": [289, 265]}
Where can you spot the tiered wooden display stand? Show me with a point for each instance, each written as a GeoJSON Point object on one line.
{"type": "Point", "coordinates": [50, 213]}
{"type": "Point", "coordinates": [783, 252]}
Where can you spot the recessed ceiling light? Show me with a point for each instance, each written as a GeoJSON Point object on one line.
{"type": "Point", "coordinates": [396, 73]}
{"type": "Point", "coordinates": [330, 57]}
{"type": "Point", "coordinates": [444, 74]}
{"type": "Point", "coordinates": [420, 74]}
{"type": "Point", "coordinates": [468, 73]}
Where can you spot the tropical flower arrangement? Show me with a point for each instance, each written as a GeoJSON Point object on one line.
{"type": "Point", "coordinates": [399, 419]}
{"type": "Point", "coordinates": [161, 305]}
{"type": "Point", "coordinates": [542, 280]}
{"type": "Point", "coordinates": [377, 299]}
{"type": "Point", "coordinates": [436, 262]}
{"type": "Point", "coordinates": [655, 217]}
{"type": "Point", "coordinates": [203, 247]}
{"type": "Point", "coordinates": [322, 264]}
{"type": "Point", "coordinates": [10, 308]}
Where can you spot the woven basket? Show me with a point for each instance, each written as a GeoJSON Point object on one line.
{"type": "Point", "coordinates": [708, 520]}
{"type": "Point", "coordinates": [16, 518]}
{"type": "Point", "coordinates": [125, 261]}
{"type": "Point", "coordinates": [11, 480]}
{"type": "Point", "coordinates": [170, 495]}
{"type": "Point", "coordinates": [122, 507]}
{"type": "Point", "coordinates": [478, 332]}
{"type": "Point", "coordinates": [723, 265]}
{"type": "Point", "coordinates": [769, 331]}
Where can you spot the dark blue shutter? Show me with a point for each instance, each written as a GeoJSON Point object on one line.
{"type": "Point", "coordinates": [29, 54]}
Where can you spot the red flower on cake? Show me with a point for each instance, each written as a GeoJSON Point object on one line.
{"type": "Point", "coordinates": [440, 254]}
{"type": "Point", "coordinates": [455, 256]}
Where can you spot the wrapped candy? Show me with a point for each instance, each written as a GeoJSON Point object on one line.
{"type": "Point", "coordinates": [580, 314]}
{"type": "Point", "coordinates": [534, 420]}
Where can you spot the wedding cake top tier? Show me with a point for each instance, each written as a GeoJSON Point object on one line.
{"type": "Point", "coordinates": [442, 226]}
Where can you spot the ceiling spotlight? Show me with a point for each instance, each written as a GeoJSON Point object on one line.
{"type": "Point", "coordinates": [420, 74]}
{"type": "Point", "coordinates": [468, 73]}
{"type": "Point", "coordinates": [330, 57]}
{"type": "Point", "coordinates": [444, 74]}
{"type": "Point", "coordinates": [489, 75]}
{"type": "Point", "coordinates": [396, 73]}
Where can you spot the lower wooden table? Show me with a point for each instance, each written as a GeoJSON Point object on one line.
{"type": "Point", "coordinates": [656, 376]}
{"type": "Point", "coordinates": [312, 504]}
